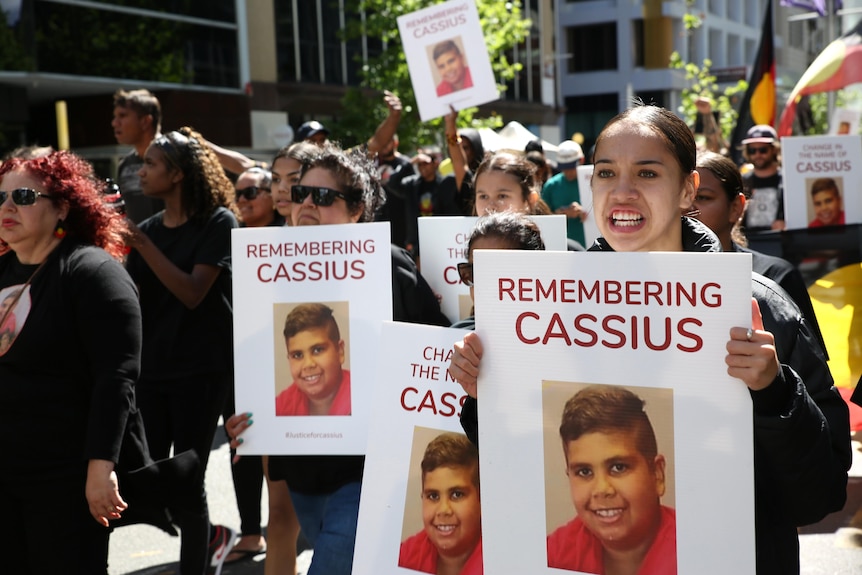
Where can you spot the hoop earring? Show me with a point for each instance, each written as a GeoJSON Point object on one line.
{"type": "Point", "coordinates": [59, 231]}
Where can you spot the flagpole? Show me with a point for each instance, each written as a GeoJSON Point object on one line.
{"type": "Point", "coordinates": [830, 33]}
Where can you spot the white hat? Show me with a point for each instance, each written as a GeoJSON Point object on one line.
{"type": "Point", "coordinates": [569, 155]}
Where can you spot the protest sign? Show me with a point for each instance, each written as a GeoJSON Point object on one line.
{"type": "Point", "coordinates": [415, 409]}
{"type": "Point", "coordinates": [820, 177]}
{"type": "Point", "coordinates": [308, 303]}
{"type": "Point", "coordinates": [585, 189]}
{"type": "Point", "coordinates": [447, 58]}
{"type": "Point", "coordinates": [443, 243]}
{"type": "Point", "coordinates": [644, 327]}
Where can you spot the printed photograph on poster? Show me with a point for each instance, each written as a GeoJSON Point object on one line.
{"type": "Point", "coordinates": [308, 306]}
{"type": "Point", "coordinates": [442, 512]}
{"type": "Point", "coordinates": [654, 328]}
{"type": "Point", "coordinates": [844, 122]}
{"type": "Point", "coordinates": [444, 242]}
{"type": "Point", "coordinates": [609, 475]}
{"type": "Point", "coordinates": [447, 58]}
{"type": "Point", "coordinates": [312, 359]}
{"type": "Point", "coordinates": [825, 206]}
{"type": "Point", "coordinates": [419, 508]}
{"type": "Point", "coordinates": [816, 171]}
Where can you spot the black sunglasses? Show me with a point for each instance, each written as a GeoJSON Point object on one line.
{"type": "Point", "coordinates": [23, 196]}
{"type": "Point", "coordinates": [250, 192]}
{"type": "Point", "coordinates": [764, 150]}
{"type": "Point", "coordinates": [319, 196]}
{"type": "Point", "coordinates": [465, 271]}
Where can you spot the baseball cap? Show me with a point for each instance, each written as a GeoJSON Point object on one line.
{"type": "Point", "coordinates": [760, 134]}
{"type": "Point", "coordinates": [308, 129]}
{"type": "Point", "coordinates": [569, 154]}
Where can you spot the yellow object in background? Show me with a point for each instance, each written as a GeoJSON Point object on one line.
{"type": "Point", "coordinates": [62, 125]}
{"type": "Point", "coordinates": [837, 301]}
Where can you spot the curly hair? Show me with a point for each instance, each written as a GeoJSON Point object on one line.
{"type": "Point", "coordinates": [356, 174]}
{"type": "Point", "coordinates": [70, 180]}
{"type": "Point", "coordinates": [205, 186]}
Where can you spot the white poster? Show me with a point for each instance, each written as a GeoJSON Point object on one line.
{"type": "Point", "coordinates": [585, 189]}
{"type": "Point", "coordinates": [607, 417]}
{"type": "Point", "coordinates": [844, 121]}
{"type": "Point", "coordinates": [444, 244]}
{"type": "Point", "coordinates": [307, 307]}
{"type": "Point", "coordinates": [821, 179]}
{"type": "Point", "coordinates": [447, 57]}
{"type": "Point", "coordinates": [409, 519]}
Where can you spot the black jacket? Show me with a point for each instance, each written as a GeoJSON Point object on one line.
{"type": "Point", "coordinates": [801, 425]}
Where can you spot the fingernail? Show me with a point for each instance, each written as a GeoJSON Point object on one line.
{"type": "Point", "coordinates": [250, 421]}
{"type": "Point", "coordinates": [248, 414]}
{"type": "Point", "coordinates": [239, 441]}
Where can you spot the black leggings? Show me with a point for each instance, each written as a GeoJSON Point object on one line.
{"type": "Point", "coordinates": [247, 476]}
{"type": "Point", "coordinates": [184, 413]}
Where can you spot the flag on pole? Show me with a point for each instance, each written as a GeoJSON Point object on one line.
{"type": "Point", "coordinates": [818, 6]}
{"type": "Point", "coordinates": [758, 104]}
{"type": "Point", "coordinates": [837, 66]}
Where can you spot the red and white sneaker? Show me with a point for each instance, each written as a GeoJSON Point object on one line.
{"type": "Point", "coordinates": [220, 547]}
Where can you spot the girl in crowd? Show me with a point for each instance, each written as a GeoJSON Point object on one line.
{"type": "Point", "coordinates": [181, 264]}
{"type": "Point", "coordinates": [69, 368]}
{"type": "Point", "coordinates": [339, 187]}
{"type": "Point", "coordinates": [506, 180]}
{"type": "Point", "coordinates": [286, 169]}
{"type": "Point", "coordinates": [644, 178]}
{"type": "Point", "coordinates": [720, 203]}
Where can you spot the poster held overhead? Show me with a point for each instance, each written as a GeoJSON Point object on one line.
{"type": "Point", "coordinates": [447, 58]}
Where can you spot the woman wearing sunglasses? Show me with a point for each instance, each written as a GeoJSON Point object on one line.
{"type": "Point", "coordinates": [254, 199]}
{"type": "Point", "coordinates": [644, 178]}
{"type": "Point", "coordinates": [340, 187]}
{"type": "Point", "coordinates": [68, 366]}
{"type": "Point", "coordinates": [181, 264]}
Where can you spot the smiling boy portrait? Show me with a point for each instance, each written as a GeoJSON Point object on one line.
{"type": "Point", "coordinates": [315, 354]}
{"type": "Point", "coordinates": [616, 479]}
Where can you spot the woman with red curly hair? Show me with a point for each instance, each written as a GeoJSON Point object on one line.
{"type": "Point", "coordinates": [68, 367]}
{"type": "Point", "coordinates": [181, 264]}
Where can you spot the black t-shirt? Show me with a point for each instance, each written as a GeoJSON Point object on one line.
{"type": "Point", "coordinates": [765, 201]}
{"type": "Point", "coordinates": [76, 352]}
{"type": "Point", "coordinates": [179, 341]}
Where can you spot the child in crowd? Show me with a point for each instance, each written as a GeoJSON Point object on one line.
{"type": "Point", "coordinates": [451, 541]}
{"type": "Point", "coordinates": [315, 351]}
{"type": "Point", "coordinates": [616, 478]}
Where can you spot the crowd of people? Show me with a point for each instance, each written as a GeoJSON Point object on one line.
{"type": "Point", "coordinates": [146, 298]}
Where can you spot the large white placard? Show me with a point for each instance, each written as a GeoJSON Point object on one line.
{"type": "Point", "coordinates": [585, 189]}
{"type": "Point", "coordinates": [443, 241]}
{"type": "Point", "coordinates": [656, 324]}
{"type": "Point", "coordinates": [285, 272]}
{"type": "Point", "coordinates": [812, 167]}
{"type": "Point", "coordinates": [447, 57]}
{"type": "Point", "coordinates": [415, 400]}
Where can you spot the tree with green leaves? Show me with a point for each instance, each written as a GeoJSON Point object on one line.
{"type": "Point", "coordinates": [503, 25]}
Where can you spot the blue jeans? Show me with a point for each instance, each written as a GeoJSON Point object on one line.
{"type": "Point", "coordinates": [329, 523]}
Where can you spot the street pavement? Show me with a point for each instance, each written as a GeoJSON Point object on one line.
{"type": "Point", "coordinates": [829, 547]}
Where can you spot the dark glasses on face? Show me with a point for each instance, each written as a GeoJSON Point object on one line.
{"type": "Point", "coordinates": [23, 196]}
{"type": "Point", "coordinates": [763, 150]}
{"type": "Point", "coordinates": [250, 192]}
{"type": "Point", "coordinates": [319, 196]}
{"type": "Point", "coordinates": [465, 271]}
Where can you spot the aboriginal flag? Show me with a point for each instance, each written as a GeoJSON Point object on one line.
{"type": "Point", "coordinates": [758, 105]}
{"type": "Point", "coordinates": [838, 65]}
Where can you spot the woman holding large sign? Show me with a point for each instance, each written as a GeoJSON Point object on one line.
{"type": "Point", "coordinates": [644, 178]}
